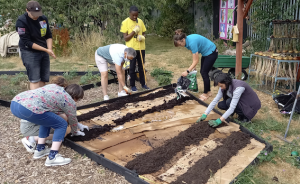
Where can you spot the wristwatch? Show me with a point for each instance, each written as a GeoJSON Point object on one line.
{"type": "Point", "coordinates": [188, 71]}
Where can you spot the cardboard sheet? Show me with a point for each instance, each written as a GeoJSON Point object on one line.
{"type": "Point", "coordinates": [108, 118]}
{"type": "Point", "coordinates": [232, 127]}
{"type": "Point", "coordinates": [187, 119]}
{"type": "Point", "coordinates": [158, 137]}
{"type": "Point", "coordinates": [127, 151]}
{"type": "Point", "coordinates": [160, 89]}
{"type": "Point", "coordinates": [188, 160]}
{"type": "Point", "coordinates": [237, 163]}
{"type": "Point", "coordinates": [111, 139]}
{"type": "Point", "coordinates": [187, 113]}
{"type": "Point", "coordinates": [113, 158]}
{"type": "Point", "coordinates": [83, 111]}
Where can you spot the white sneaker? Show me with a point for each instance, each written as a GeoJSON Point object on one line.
{"type": "Point", "coordinates": [40, 154]}
{"type": "Point", "coordinates": [106, 97]}
{"type": "Point", "coordinates": [122, 93]}
{"type": "Point", "coordinates": [30, 147]}
{"type": "Point", "coordinates": [57, 160]}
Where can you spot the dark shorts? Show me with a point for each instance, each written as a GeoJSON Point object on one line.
{"type": "Point", "coordinates": [37, 65]}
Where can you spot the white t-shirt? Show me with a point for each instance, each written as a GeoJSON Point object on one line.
{"type": "Point", "coordinates": [116, 52]}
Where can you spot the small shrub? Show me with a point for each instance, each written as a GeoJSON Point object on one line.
{"type": "Point", "coordinates": [264, 156]}
{"type": "Point", "coordinates": [162, 76]}
{"type": "Point", "coordinates": [70, 75]}
{"type": "Point", "coordinates": [5, 76]}
{"type": "Point", "coordinates": [18, 78]}
{"type": "Point", "coordinates": [89, 78]}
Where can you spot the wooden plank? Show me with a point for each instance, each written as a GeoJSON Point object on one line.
{"type": "Point", "coordinates": [239, 44]}
{"type": "Point", "coordinates": [248, 6]}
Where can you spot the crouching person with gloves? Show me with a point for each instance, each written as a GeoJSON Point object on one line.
{"type": "Point", "coordinates": [238, 97]}
{"type": "Point", "coordinates": [41, 106]}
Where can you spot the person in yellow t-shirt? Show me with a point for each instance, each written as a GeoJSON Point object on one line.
{"type": "Point", "coordinates": [133, 30]}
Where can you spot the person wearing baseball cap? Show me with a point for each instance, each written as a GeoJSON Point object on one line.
{"type": "Point", "coordinates": [35, 44]}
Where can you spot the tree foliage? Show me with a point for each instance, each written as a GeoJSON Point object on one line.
{"type": "Point", "coordinates": [77, 15]}
{"type": "Point", "coordinates": [82, 15]}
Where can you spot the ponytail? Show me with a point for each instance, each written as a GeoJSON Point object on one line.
{"type": "Point", "coordinates": [179, 35]}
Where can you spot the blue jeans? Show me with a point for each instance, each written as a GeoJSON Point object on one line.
{"type": "Point", "coordinates": [46, 121]}
{"type": "Point", "coordinates": [37, 65]}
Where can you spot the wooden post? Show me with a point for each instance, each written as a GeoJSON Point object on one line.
{"type": "Point", "coordinates": [239, 45]}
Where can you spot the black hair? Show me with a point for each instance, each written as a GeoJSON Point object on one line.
{"type": "Point", "coordinates": [223, 78]}
{"type": "Point", "coordinates": [133, 8]}
{"type": "Point", "coordinates": [75, 91]}
{"type": "Point", "coordinates": [179, 35]}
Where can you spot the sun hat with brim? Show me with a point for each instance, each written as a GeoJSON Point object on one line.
{"type": "Point", "coordinates": [34, 8]}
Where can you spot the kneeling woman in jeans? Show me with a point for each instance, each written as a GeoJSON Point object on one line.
{"type": "Point", "coordinates": [41, 106]}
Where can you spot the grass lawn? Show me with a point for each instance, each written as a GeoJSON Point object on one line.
{"type": "Point", "coordinates": [268, 123]}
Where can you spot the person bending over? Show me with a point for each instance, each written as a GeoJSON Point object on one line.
{"type": "Point", "coordinates": [115, 55]}
{"type": "Point", "coordinates": [30, 131]}
{"type": "Point", "coordinates": [238, 97]}
{"type": "Point", "coordinates": [39, 106]}
{"type": "Point", "coordinates": [198, 44]}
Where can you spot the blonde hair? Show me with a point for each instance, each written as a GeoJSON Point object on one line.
{"type": "Point", "coordinates": [59, 80]}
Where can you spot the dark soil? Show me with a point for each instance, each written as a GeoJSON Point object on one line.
{"type": "Point", "coordinates": [122, 103]}
{"type": "Point", "coordinates": [217, 158]}
{"type": "Point", "coordinates": [166, 105]}
{"type": "Point", "coordinates": [155, 159]}
{"type": "Point", "coordinates": [91, 134]}
{"type": "Point", "coordinates": [95, 132]}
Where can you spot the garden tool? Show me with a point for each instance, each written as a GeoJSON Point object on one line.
{"type": "Point", "coordinates": [142, 60]}
{"type": "Point", "coordinates": [182, 85]}
{"type": "Point", "coordinates": [127, 90]}
{"type": "Point", "coordinates": [139, 39]}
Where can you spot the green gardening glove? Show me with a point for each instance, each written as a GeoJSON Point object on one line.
{"type": "Point", "coordinates": [202, 118]}
{"type": "Point", "coordinates": [214, 123]}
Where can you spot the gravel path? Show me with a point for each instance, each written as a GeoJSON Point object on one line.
{"type": "Point", "coordinates": [18, 166]}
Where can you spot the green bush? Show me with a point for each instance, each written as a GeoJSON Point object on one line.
{"type": "Point", "coordinates": [70, 75]}
{"type": "Point", "coordinates": [162, 76]}
{"type": "Point", "coordinates": [89, 78]}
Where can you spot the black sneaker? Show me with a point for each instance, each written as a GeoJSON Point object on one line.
{"type": "Point", "coordinates": [243, 119]}
{"type": "Point", "coordinates": [145, 87]}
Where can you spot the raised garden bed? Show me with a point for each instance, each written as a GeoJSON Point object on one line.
{"type": "Point", "coordinates": [149, 137]}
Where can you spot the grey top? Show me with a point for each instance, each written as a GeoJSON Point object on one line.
{"type": "Point", "coordinates": [235, 100]}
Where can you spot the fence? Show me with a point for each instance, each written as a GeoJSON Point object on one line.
{"type": "Point", "coordinates": [290, 10]}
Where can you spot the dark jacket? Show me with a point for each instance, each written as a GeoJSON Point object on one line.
{"type": "Point", "coordinates": [33, 31]}
{"type": "Point", "coordinates": [249, 101]}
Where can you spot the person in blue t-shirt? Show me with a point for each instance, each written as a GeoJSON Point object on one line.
{"type": "Point", "coordinates": [198, 44]}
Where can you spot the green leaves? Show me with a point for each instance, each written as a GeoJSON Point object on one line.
{"type": "Point", "coordinates": [73, 14]}
{"type": "Point", "coordinates": [162, 76]}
